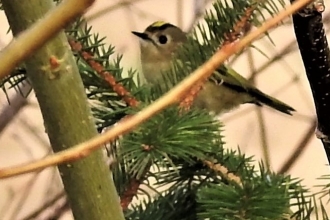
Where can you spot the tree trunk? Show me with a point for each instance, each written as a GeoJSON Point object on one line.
{"type": "Point", "coordinates": [67, 117]}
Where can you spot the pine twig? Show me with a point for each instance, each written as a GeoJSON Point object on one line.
{"type": "Point", "coordinates": [260, 116]}
{"type": "Point", "coordinates": [48, 205]}
{"type": "Point", "coordinates": [224, 172]}
{"type": "Point", "coordinates": [84, 149]}
{"type": "Point", "coordinates": [299, 149]}
{"type": "Point", "coordinates": [240, 27]}
{"type": "Point", "coordinates": [106, 75]}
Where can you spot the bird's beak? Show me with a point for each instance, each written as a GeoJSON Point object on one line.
{"type": "Point", "coordinates": [143, 36]}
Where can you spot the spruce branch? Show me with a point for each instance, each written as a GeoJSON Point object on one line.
{"type": "Point", "coordinates": [224, 172]}
{"type": "Point", "coordinates": [240, 27]}
{"type": "Point", "coordinates": [106, 86]}
{"type": "Point", "coordinates": [106, 75]}
{"type": "Point", "coordinates": [234, 34]}
{"type": "Point", "coordinates": [174, 204]}
{"type": "Point", "coordinates": [84, 149]}
{"type": "Point", "coordinates": [315, 54]}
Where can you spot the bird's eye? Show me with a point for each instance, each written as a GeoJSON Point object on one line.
{"type": "Point", "coordinates": [162, 39]}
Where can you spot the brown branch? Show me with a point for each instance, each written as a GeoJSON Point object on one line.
{"type": "Point", "coordinates": [223, 172]}
{"type": "Point", "coordinates": [132, 189]}
{"type": "Point", "coordinates": [84, 149]}
{"type": "Point", "coordinates": [106, 75]}
{"type": "Point", "coordinates": [48, 205]}
{"type": "Point", "coordinates": [35, 37]}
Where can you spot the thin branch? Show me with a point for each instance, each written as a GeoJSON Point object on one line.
{"type": "Point", "coordinates": [35, 37]}
{"type": "Point", "coordinates": [49, 204]}
{"type": "Point", "coordinates": [263, 137]}
{"type": "Point", "coordinates": [110, 9]}
{"type": "Point", "coordinates": [59, 211]}
{"type": "Point", "coordinates": [299, 149]}
{"type": "Point", "coordinates": [84, 149]}
{"type": "Point", "coordinates": [224, 172]}
{"type": "Point", "coordinates": [260, 116]}
{"type": "Point", "coordinates": [23, 194]}
{"type": "Point", "coordinates": [199, 8]}
{"type": "Point", "coordinates": [106, 75]}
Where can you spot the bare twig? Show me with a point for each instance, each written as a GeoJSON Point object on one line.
{"type": "Point", "coordinates": [84, 149]}
{"type": "Point", "coordinates": [111, 8]}
{"type": "Point", "coordinates": [300, 148]}
{"type": "Point", "coordinates": [260, 116]}
{"type": "Point", "coordinates": [23, 194]}
{"type": "Point", "coordinates": [46, 206]}
{"type": "Point", "coordinates": [36, 36]}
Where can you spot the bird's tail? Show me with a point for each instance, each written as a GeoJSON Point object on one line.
{"type": "Point", "coordinates": [262, 98]}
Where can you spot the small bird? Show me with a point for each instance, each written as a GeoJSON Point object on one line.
{"type": "Point", "coordinates": [225, 89]}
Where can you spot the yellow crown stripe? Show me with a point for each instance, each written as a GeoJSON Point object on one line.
{"type": "Point", "coordinates": [158, 24]}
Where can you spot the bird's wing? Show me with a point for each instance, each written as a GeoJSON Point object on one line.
{"type": "Point", "coordinates": [231, 79]}
{"type": "Point", "coordinates": [227, 76]}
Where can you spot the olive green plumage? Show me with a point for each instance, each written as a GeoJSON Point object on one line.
{"type": "Point", "coordinates": [225, 90]}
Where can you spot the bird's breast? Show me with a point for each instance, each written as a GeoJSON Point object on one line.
{"type": "Point", "coordinates": [152, 71]}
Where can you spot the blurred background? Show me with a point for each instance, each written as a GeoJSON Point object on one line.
{"type": "Point", "coordinates": [261, 132]}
